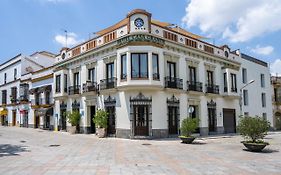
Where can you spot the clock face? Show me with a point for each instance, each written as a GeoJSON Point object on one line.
{"type": "Point", "coordinates": [139, 22]}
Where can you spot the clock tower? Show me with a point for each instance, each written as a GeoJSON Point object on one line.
{"type": "Point", "coordinates": [139, 21]}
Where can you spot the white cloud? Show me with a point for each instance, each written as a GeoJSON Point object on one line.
{"type": "Point", "coordinates": [72, 39]}
{"type": "Point", "coordinates": [275, 67]}
{"type": "Point", "coordinates": [263, 50]}
{"type": "Point", "coordinates": [237, 21]}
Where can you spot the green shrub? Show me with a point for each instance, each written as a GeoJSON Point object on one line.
{"type": "Point", "coordinates": [253, 129]}
{"type": "Point", "coordinates": [73, 117]}
{"type": "Point", "coordinates": [101, 118]}
{"type": "Point", "coordinates": [189, 126]}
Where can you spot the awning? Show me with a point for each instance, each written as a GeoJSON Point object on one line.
{"type": "Point", "coordinates": [44, 111]}
{"type": "Point", "coordinates": [4, 112]}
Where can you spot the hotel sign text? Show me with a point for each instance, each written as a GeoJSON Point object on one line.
{"type": "Point", "coordinates": [140, 38]}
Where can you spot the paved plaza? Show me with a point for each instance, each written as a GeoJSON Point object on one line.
{"type": "Point", "coordinates": [35, 151]}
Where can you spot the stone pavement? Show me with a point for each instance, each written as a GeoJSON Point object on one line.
{"type": "Point", "coordinates": [34, 151]}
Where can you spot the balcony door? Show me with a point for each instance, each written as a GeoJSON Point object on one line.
{"type": "Point", "coordinates": [110, 75]}
{"type": "Point", "coordinates": [171, 70]}
{"type": "Point", "coordinates": [111, 129]}
{"type": "Point", "coordinates": [141, 120]}
{"type": "Point", "coordinates": [173, 119]}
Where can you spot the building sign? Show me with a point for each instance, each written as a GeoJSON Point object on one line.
{"type": "Point", "coordinates": [140, 38]}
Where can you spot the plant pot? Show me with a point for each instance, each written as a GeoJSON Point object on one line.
{"type": "Point", "coordinates": [72, 129]}
{"type": "Point", "coordinates": [187, 140]}
{"type": "Point", "coordinates": [255, 147]}
{"type": "Point", "coordinates": [101, 132]}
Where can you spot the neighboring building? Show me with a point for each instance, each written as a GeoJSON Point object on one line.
{"type": "Point", "coordinates": [276, 101]}
{"type": "Point", "coordinates": [15, 81]}
{"type": "Point", "coordinates": [150, 76]}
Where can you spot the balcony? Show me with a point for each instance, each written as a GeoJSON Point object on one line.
{"type": "Point", "coordinates": [156, 76]}
{"type": "Point", "coordinates": [74, 90]}
{"type": "Point", "coordinates": [172, 82]}
{"type": "Point", "coordinates": [194, 86]}
{"type": "Point", "coordinates": [90, 87]}
{"type": "Point", "coordinates": [23, 98]}
{"type": "Point", "coordinates": [213, 89]}
{"type": "Point", "coordinates": [108, 83]}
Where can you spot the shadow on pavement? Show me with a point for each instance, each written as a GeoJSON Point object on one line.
{"type": "Point", "coordinates": [11, 150]}
{"type": "Point", "coordinates": [264, 151]}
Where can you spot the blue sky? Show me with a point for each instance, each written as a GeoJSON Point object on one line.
{"type": "Point", "coordinates": [253, 26]}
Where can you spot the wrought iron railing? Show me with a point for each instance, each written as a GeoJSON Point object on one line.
{"type": "Point", "coordinates": [89, 86]}
{"type": "Point", "coordinates": [173, 82]}
{"type": "Point", "coordinates": [108, 83]}
{"type": "Point", "coordinates": [211, 88]}
{"type": "Point", "coordinates": [74, 90]}
{"type": "Point", "coordinates": [194, 86]}
{"type": "Point", "coordinates": [156, 76]}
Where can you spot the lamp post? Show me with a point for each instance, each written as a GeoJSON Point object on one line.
{"type": "Point", "coordinates": [240, 99]}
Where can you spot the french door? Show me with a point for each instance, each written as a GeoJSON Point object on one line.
{"type": "Point", "coordinates": [212, 119]}
{"type": "Point", "coordinates": [141, 113]}
{"type": "Point", "coordinates": [173, 119]}
{"type": "Point", "coordinates": [111, 120]}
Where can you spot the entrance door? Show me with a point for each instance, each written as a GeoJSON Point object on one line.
{"type": "Point", "coordinates": [25, 119]}
{"type": "Point", "coordinates": [63, 119]}
{"type": "Point", "coordinates": [14, 117]}
{"type": "Point", "coordinates": [111, 120]}
{"type": "Point", "coordinates": [47, 122]}
{"type": "Point", "coordinates": [212, 119]}
{"type": "Point", "coordinates": [92, 114]}
{"type": "Point", "coordinates": [229, 120]}
{"type": "Point", "coordinates": [37, 121]}
{"type": "Point", "coordinates": [141, 120]}
{"type": "Point", "coordinates": [173, 119]}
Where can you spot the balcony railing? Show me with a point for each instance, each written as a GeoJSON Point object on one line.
{"type": "Point", "coordinates": [156, 76]}
{"type": "Point", "coordinates": [41, 101]}
{"type": "Point", "coordinates": [211, 88]}
{"type": "Point", "coordinates": [234, 90]}
{"type": "Point", "coordinates": [194, 86]}
{"type": "Point", "coordinates": [23, 98]}
{"type": "Point", "coordinates": [74, 90]}
{"type": "Point", "coordinates": [108, 83]}
{"type": "Point", "coordinates": [89, 87]}
{"type": "Point", "coordinates": [172, 82]}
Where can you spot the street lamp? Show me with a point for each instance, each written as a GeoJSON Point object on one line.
{"type": "Point", "coordinates": [240, 99]}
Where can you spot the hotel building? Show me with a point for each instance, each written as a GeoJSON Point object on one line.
{"type": "Point", "coordinates": [150, 75]}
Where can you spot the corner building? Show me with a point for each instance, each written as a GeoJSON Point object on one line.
{"type": "Point", "coordinates": [149, 77]}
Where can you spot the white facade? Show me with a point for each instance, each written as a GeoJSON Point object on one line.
{"type": "Point", "coordinates": [148, 100]}
{"type": "Point", "coordinates": [15, 81]}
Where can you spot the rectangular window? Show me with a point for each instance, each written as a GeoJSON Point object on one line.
{"type": "Point", "coordinates": [76, 79]}
{"type": "Point", "coordinates": [109, 70]}
{"type": "Point", "coordinates": [171, 69]}
{"type": "Point", "coordinates": [225, 82]}
{"type": "Point", "coordinates": [208, 49]}
{"type": "Point", "coordinates": [262, 80]}
{"type": "Point", "coordinates": [4, 96]}
{"type": "Point", "coordinates": [192, 74]}
{"type": "Point", "coordinates": [245, 97]}
{"type": "Point", "coordinates": [233, 83]}
{"type": "Point", "coordinates": [58, 83]}
{"type": "Point", "coordinates": [5, 78]}
{"type": "Point", "coordinates": [15, 74]}
{"type": "Point", "coordinates": [263, 100]}
{"type": "Point", "coordinates": [264, 116]}
{"type": "Point", "coordinates": [65, 82]}
{"type": "Point", "coordinates": [91, 75]}
{"type": "Point", "coordinates": [14, 93]}
{"type": "Point", "coordinates": [155, 66]}
{"type": "Point", "coordinates": [139, 67]}
{"type": "Point", "coordinates": [244, 75]}
{"type": "Point", "coordinates": [123, 67]}
{"type": "Point", "coordinates": [210, 78]}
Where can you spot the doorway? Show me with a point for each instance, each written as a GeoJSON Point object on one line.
{"type": "Point", "coordinates": [141, 120]}
{"type": "Point", "coordinates": [173, 120]}
{"type": "Point", "coordinates": [111, 130]}
{"type": "Point", "coordinates": [14, 117]}
{"type": "Point", "coordinates": [37, 121]}
{"type": "Point", "coordinates": [63, 119]}
{"type": "Point", "coordinates": [229, 120]}
{"type": "Point", "coordinates": [92, 115]}
{"type": "Point", "coordinates": [212, 119]}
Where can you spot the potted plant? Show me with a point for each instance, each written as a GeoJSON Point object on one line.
{"type": "Point", "coordinates": [253, 129]}
{"type": "Point", "coordinates": [188, 126]}
{"type": "Point", "coordinates": [74, 119]}
{"type": "Point", "coordinates": [100, 119]}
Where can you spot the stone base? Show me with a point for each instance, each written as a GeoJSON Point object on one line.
{"type": "Point", "coordinates": [85, 130]}
{"type": "Point", "coordinates": [123, 133]}
{"type": "Point", "coordinates": [31, 125]}
{"type": "Point", "coordinates": [204, 131]}
{"type": "Point", "coordinates": [220, 130]}
{"type": "Point", "coordinates": [160, 133]}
